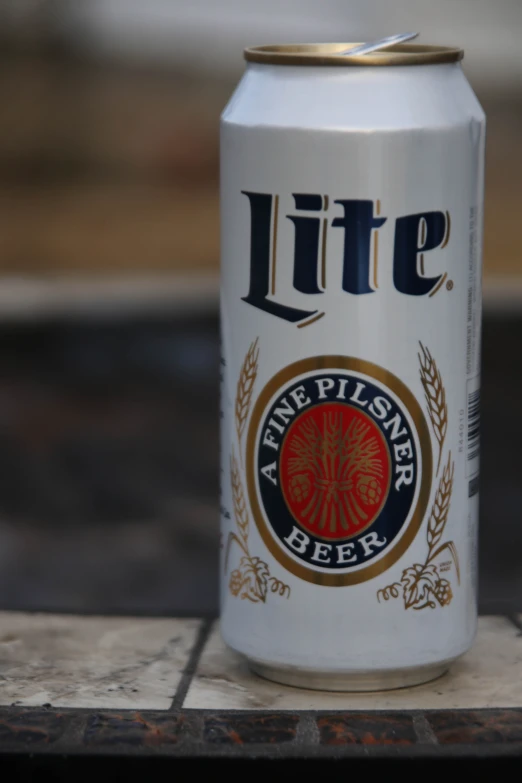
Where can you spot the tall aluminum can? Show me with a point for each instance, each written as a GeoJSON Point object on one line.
{"type": "Point", "coordinates": [351, 202]}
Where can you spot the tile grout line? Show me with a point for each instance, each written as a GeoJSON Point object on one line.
{"type": "Point", "coordinates": [307, 732]}
{"type": "Point", "coordinates": [424, 732]}
{"type": "Point", "coordinates": [192, 664]}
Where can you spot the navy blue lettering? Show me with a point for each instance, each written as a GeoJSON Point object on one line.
{"type": "Point", "coordinates": [406, 277]}
{"type": "Point", "coordinates": [358, 222]}
{"type": "Point", "coordinates": [306, 244]}
{"type": "Point", "coordinates": [260, 220]}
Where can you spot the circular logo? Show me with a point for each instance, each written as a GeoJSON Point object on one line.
{"type": "Point", "coordinates": [339, 469]}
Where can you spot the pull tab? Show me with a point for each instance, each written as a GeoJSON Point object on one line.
{"type": "Point", "coordinates": [382, 43]}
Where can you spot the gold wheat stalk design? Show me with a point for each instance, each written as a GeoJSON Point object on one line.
{"type": "Point", "coordinates": [240, 513]}
{"type": "Point", "coordinates": [245, 387]}
{"type": "Point", "coordinates": [439, 517]}
{"type": "Point", "coordinates": [436, 524]}
{"type": "Point", "coordinates": [252, 578]}
{"type": "Point", "coordinates": [252, 567]}
{"type": "Point", "coordinates": [240, 510]}
{"type": "Point", "coordinates": [422, 582]}
{"type": "Point", "coordinates": [435, 397]}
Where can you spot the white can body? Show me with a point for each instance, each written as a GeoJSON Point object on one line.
{"type": "Point", "coordinates": [351, 203]}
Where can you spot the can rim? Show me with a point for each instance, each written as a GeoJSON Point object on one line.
{"type": "Point", "coordinates": [328, 54]}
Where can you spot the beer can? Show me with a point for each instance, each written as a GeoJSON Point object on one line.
{"type": "Point", "coordinates": [351, 206]}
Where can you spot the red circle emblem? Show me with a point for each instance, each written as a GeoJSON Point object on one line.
{"type": "Point", "coordinates": [335, 470]}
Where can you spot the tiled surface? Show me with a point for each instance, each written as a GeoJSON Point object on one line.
{"type": "Point", "coordinates": [117, 677]}
{"type": "Point", "coordinates": [229, 729]}
{"type": "Point", "coordinates": [137, 664]}
{"type": "Point", "coordinates": [134, 730]}
{"type": "Point", "coordinates": [490, 675]}
{"type": "Point", "coordinates": [366, 729]}
{"type": "Point", "coordinates": [32, 728]}
{"type": "Point", "coordinates": [477, 727]}
{"type": "Point", "coordinates": [96, 662]}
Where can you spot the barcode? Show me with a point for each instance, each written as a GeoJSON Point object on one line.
{"type": "Point", "coordinates": [473, 487]}
{"type": "Point", "coordinates": [473, 424]}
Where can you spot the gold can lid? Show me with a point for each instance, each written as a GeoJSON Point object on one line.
{"type": "Point", "coordinates": [331, 54]}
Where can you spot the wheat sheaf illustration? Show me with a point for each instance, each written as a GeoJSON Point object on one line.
{"type": "Point", "coordinates": [245, 388]}
{"type": "Point", "coordinates": [334, 472]}
{"type": "Point", "coordinates": [435, 398]}
{"type": "Point", "coordinates": [251, 580]}
{"type": "Point", "coordinates": [421, 584]}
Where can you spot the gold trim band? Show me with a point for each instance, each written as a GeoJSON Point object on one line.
{"type": "Point", "coordinates": [391, 382]}
{"type": "Point", "coordinates": [328, 54]}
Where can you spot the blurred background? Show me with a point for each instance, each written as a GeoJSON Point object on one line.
{"type": "Point", "coordinates": [109, 353]}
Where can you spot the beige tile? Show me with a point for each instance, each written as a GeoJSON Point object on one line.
{"type": "Point", "coordinates": [490, 675]}
{"type": "Point", "coordinates": [105, 662]}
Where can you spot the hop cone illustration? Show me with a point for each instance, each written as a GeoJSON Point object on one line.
{"type": "Point", "coordinates": [300, 487]}
{"type": "Point", "coordinates": [442, 592]}
{"type": "Point", "coordinates": [369, 490]}
{"type": "Point", "coordinates": [236, 582]}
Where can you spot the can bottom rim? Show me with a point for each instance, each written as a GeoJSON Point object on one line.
{"type": "Point", "coordinates": [383, 680]}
